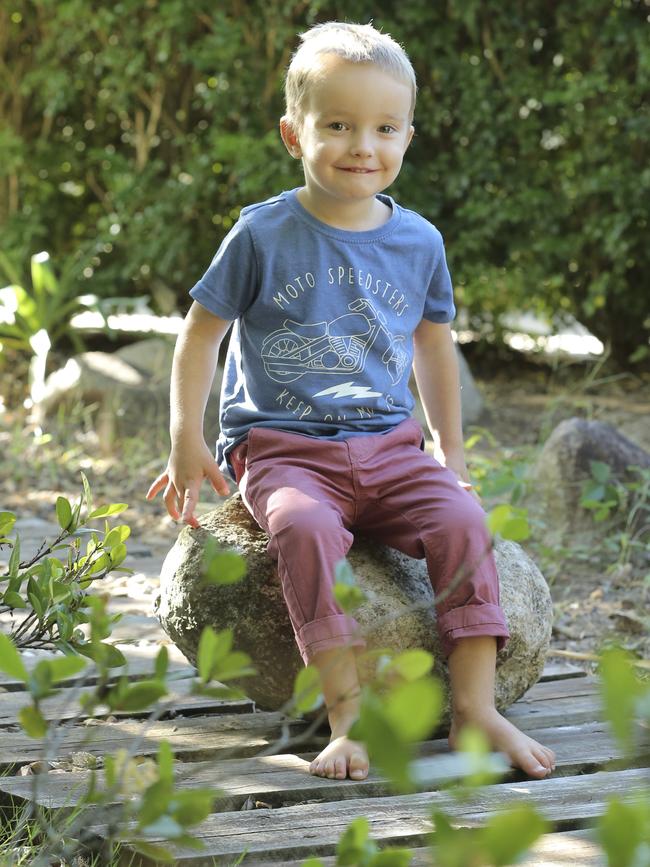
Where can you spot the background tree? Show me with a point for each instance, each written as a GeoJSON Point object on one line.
{"type": "Point", "coordinates": [132, 134]}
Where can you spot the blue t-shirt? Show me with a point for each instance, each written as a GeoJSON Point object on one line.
{"type": "Point", "coordinates": [324, 319]}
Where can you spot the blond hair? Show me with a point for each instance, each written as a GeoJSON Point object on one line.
{"type": "Point", "coordinates": [356, 43]}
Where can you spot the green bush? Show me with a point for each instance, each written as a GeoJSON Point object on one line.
{"type": "Point", "coordinates": [133, 133]}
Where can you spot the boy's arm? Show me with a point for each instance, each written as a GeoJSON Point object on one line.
{"type": "Point", "coordinates": [436, 374]}
{"type": "Point", "coordinates": [190, 459]}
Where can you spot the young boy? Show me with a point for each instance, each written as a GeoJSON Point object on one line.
{"type": "Point", "coordinates": [335, 292]}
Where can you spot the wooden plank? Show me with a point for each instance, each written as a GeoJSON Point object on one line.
{"type": "Point", "coordinates": [560, 671]}
{"type": "Point", "coordinates": [552, 689]}
{"type": "Point", "coordinates": [300, 831]}
{"type": "Point", "coordinates": [65, 705]}
{"type": "Point", "coordinates": [561, 711]}
{"type": "Point", "coordinates": [563, 849]}
{"type": "Point", "coordinates": [140, 664]}
{"type": "Point", "coordinates": [281, 780]}
{"type": "Point", "coordinates": [191, 738]}
{"type": "Point", "coordinates": [205, 737]}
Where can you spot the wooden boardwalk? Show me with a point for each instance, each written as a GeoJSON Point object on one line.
{"type": "Point", "coordinates": [270, 806]}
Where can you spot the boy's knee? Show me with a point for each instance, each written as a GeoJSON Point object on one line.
{"type": "Point", "coordinates": [303, 519]}
{"type": "Point", "coordinates": [464, 522]}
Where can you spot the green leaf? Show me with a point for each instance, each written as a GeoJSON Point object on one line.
{"type": "Point", "coordinates": [620, 691]}
{"type": "Point", "coordinates": [221, 692]}
{"type": "Point", "coordinates": [346, 592]}
{"type": "Point", "coordinates": [14, 559]}
{"type": "Point", "coordinates": [7, 521]}
{"type": "Point", "coordinates": [117, 535]}
{"type": "Point", "coordinates": [354, 847]}
{"type": "Point", "coordinates": [622, 830]}
{"type": "Point", "coordinates": [600, 471]}
{"type": "Point", "coordinates": [165, 762]}
{"type": "Point", "coordinates": [307, 690]}
{"type": "Point", "coordinates": [10, 660]}
{"type": "Point", "coordinates": [61, 668]}
{"type": "Point", "coordinates": [152, 851]}
{"type": "Point", "coordinates": [155, 802]}
{"type": "Point", "coordinates": [100, 564]}
{"type": "Point", "coordinates": [191, 807]}
{"type": "Point", "coordinates": [223, 567]}
{"type": "Point", "coordinates": [107, 511]}
{"type": "Point", "coordinates": [213, 647]}
{"type": "Point", "coordinates": [14, 600]}
{"type": "Point", "coordinates": [63, 512]}
{"type": "Point", "coordinates": [509, 834]}
{"type": "Point", "coordinates": [162, 662]}
{"type": "Point", "coordinates": [453, 847]}
{"type": "Point", "coordinates": [118, 554]}
{"type": "Point", "coordinates": [410, 664]}
{"type": "Point", "coordinates": [386, 747]}
{"type": "Point", "coordinates": [141, 695]}
{"type": "Point", "coordinates": [234, 665]}
{"type": "Point", "coordinates": [88, 497]}
{"type": "Point", "coordinates": [348, 598]}
{"type": "Point", "coordinates": [32, 721]}
{"type": "Point", "coordinates": [413, 708]}
{"type": "Point", "coordinates": [509, 522]}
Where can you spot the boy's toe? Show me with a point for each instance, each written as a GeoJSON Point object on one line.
{"type": "Point", "coordinates": [358, 767]}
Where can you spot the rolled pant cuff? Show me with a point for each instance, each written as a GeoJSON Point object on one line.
{"type": "Point", "coordinates": [337, 630]}
{"type": "Point", "coordinates": [471, 621]}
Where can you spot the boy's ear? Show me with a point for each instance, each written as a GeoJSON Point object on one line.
{"type": "Point", "coordinates": [409, 137]}
{"type": "Point", "coordinates": [290, 138]}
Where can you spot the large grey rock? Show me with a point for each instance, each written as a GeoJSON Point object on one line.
{"type": "Point", "coordinates": [564, 464]}
{"type": "Point", "coordinates": [398, 614]}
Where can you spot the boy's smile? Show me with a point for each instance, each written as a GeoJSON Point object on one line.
{"type": "Point", "coordinates": [354, 132]}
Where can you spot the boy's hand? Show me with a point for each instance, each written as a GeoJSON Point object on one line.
{"type": "Point", "coordinates": [182, 480]}
{"type": "Point", "coordinates": [456, 463]}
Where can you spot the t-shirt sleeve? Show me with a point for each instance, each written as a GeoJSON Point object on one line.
{"type": "Point", "coordinates": [229, 286]}
{"type": "Point", "coordinates": [439, 303]}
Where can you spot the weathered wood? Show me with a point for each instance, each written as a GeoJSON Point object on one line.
{"type": "Point", "coordinates": [65, 705]}
{"type": "Point", "coordinates": [301, 830]}
{"type": "Point", "coordinates": [284, 779]}
{"type": "Point", "coordinates": [139, 664]}
{"type": "Point", "coordinates": [191, 738]}
{"type": "Point", "coordinates": [561, 711]}
{"type": "Point", "coordinates": [563, 849]}
{"type": "Point", "coordinates": [552, 689]}
{"type": "Point", "coordinates": [204, 737]}
{"type": "Point", "coordinates": [560, 671]}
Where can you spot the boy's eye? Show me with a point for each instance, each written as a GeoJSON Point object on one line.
{"type": "Point", "coordinates": [387, 128]}
{"type": "Point", "coordinates": [337, 126]}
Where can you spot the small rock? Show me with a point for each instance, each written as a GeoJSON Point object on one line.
{"type": "Point", "coordinates": [565, 464]}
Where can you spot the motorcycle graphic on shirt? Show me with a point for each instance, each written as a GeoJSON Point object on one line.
{"type": "Point", "coordinates": [340, 346]}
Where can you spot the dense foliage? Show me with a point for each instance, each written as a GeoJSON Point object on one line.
{"type": "Point", "coordinates": [132, 133]}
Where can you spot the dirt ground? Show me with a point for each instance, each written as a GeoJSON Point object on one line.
{"type": "Point", "coordinates": [599, 596]}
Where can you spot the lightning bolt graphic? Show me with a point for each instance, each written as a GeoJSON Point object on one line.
{"type": "Point", "coordinates": [348, 389]}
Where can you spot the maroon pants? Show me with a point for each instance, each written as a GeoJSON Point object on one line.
{"type": "Point", "coordinates": [309, 494]}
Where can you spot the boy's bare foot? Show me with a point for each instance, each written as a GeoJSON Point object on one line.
{"type": "Point", "coordinates": [524, 752]}
{"type": "Point", "coordinates": [341, 758]}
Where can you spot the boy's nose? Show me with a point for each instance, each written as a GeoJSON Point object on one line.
{"type": "Point", "coordinates": [361, 146]}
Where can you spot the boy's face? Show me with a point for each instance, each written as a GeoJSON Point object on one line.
{"type": "Point", "coordinates": [355, 130]}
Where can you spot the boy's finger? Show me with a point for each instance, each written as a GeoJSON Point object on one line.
{"type": "Point", "coordinates": [190, 498]}
{"type": "Point", "coordinates": [217, 481]}
{"type": "Point", "coordinates": [171, 501]}
{"type": "Point", "coordinates": [157, 485]}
